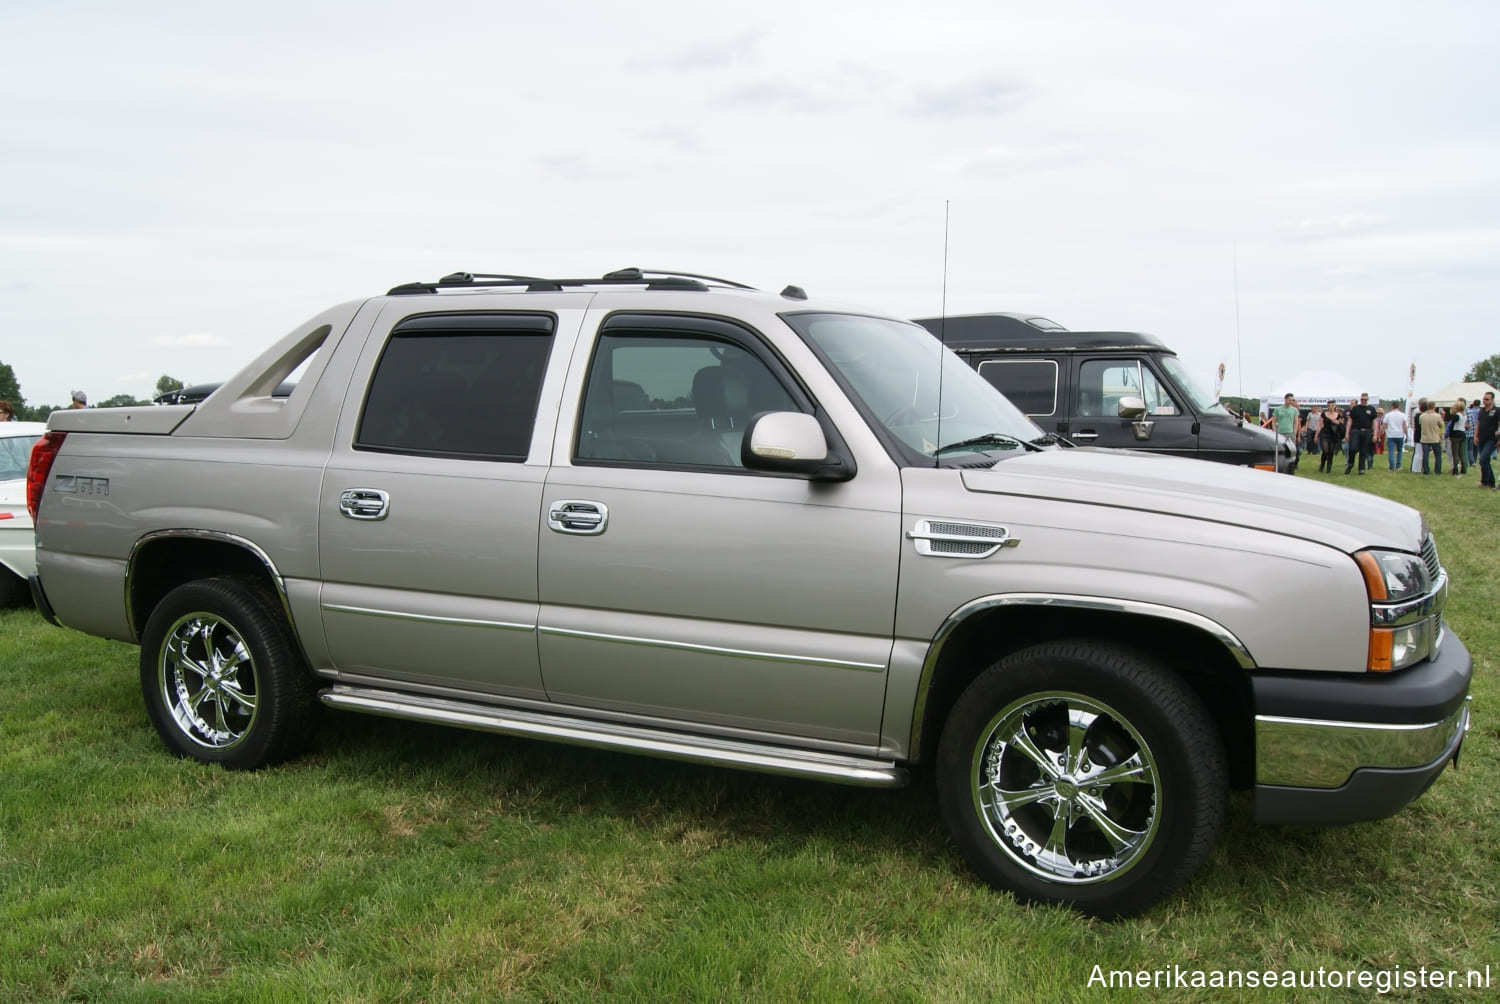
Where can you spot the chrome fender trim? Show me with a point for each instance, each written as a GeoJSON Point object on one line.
{"type": "Point", "coordinates": [214, 535]}
{"type": "Point", "coordinates": [1213, 628]}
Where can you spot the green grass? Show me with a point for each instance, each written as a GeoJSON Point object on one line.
{"type": "Point", "coordinates": [403, 862]}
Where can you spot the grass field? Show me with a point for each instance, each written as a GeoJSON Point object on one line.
{"type": "Point", "coordinates": [402, 862]}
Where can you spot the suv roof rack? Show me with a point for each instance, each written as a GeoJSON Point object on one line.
{"type": "Point", "coordinates": [648, 277]}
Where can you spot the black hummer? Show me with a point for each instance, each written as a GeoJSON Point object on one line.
{"type": "Point", "coordinates": [1103, 388]}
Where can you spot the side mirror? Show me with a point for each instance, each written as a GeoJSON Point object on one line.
{"type": "Point", "coordinates": [790, 442]}
{"type": "Point", "coordinates": [1132, 408]}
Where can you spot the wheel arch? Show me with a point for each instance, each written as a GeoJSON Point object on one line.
{"type": "Point", "coordinates": [1209, 657]}
{"type": "Point", "coordinates": [165, 559]}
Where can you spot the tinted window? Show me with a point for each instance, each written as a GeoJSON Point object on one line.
{"type": "Point", "coordinates": [468, 393]}
{"type": "Point", "coordinates": [673, 400]}
{"type": "Point", "coordinates": [1031, 385]}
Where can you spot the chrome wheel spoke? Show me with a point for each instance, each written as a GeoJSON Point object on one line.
{"type": "Point", "coordinates": [1015, 798]}
{"type": "Point", "coordinates": [1134, 770]}
{"type": "Point", "coordinates": [1119, 835]}
{"type": "Point", "coordinates": [1022, 743]}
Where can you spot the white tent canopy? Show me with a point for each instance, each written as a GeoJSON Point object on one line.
{"type": "Point", "coordinates": [1470, 392]}
{"type": "Point", "coordinates": [1314, 387]}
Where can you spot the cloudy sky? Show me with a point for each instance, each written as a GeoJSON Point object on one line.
{"type": "Point", "coordinates": [1278, 186]}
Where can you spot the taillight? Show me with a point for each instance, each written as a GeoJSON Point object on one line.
{"type": "Point", "coordinates": [42, 455]}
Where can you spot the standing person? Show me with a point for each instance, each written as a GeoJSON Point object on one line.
{"type": "Point", "coordinates": [1379, 431]}
{"type": "Point", "coordinates": [1430, 434]}
{"type": "Point", "coordinates": [1458, 434]}
{"type": "Point", "coordinates": [1472, 444]}
{"type": "Point", "coordinates": [1487, 435]}
{"type": "Point", "coordinates": [1330, 436]}
{"type": "Point", "coordinates": [7, 413]}
{"type": "Point", "coordinates": [1395, 436]}
{"type": "Point", "coordinates": [1288, 419]}
{"type": "Point", "coordinates": [1360, 431]}
{"type": "Point", "coordinates": [1313, 425]}
{"type": "Point", "coordinates": [80, 400]}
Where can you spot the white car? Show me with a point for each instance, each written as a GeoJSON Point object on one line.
{"type": "Point", "coordinates": [17, 541]}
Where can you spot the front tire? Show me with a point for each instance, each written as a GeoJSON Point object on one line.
{"type": "Point", "coordinates": [1082, 773]}
{"type": "Point", "coordinates": [222, 677]}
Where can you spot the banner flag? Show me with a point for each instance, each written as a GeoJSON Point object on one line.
{"type": "Point", "coordinates": [1219, 382]}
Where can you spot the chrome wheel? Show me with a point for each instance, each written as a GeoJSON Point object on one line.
{"type": "Point", "coordinates": [208, 682]}
{"type": "Point", "coordinates": [1067, 788]}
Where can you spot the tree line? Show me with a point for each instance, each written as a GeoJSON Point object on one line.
{"type": "Point", "coordinates": [10, 390]}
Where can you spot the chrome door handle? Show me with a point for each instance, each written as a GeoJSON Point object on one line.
{"type": "Point", "coordinates": [578, 516]}
{"type": "Point", "coordinates": [1084, 435]}
{"type": "Point", "coordinates": [365, 503]}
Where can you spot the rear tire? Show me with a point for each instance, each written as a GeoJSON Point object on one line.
{"type": "Point", "coordinates": [1083, 773]}
{"type": "Point", "coordinates": [222, 677]}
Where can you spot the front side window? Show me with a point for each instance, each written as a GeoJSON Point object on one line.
{"type": "Point", "coordinates": [673, 399]}
{"type": "Point", "coordinates": [1103, 383]}
{"type": "Point", "coordinates": [460, 386]}
{"type": "Point", "coordinates": [1196, 393]}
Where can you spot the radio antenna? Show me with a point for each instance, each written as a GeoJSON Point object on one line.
{"type": "Point", "coordinates": [1239, 355]}
{"type": "Point", "coordinates": [942, 338]}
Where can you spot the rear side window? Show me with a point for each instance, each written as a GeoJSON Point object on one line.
{"type": "Point", "coordinates": [463, 386]}
{"type": "Point", "coordinates": [1031, 384]}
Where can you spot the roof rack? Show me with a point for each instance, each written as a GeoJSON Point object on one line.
{"type": "Point", "coordinates": [650, 278]}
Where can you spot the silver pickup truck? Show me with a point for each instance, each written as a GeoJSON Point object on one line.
{"type": "Point", "coordinates": [668, 514]}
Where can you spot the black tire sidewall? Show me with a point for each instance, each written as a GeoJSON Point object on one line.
{"type": "Point", "coordinates": [1187, 751]}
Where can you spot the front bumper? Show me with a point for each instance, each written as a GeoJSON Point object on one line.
{"type": "Point", "coordinates": [1342, 749]}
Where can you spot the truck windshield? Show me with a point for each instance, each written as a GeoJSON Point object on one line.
{"type": "Point", "coordinates": [929, 400]}
{"type": "Point", "coordinates": [1202, 400]}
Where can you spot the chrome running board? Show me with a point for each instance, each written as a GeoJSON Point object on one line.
{"type": "Point", "coordinates": [764, 757]}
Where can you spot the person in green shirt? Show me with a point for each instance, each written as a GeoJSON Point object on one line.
{"type": "Point", "coordinates": [1288, 419]}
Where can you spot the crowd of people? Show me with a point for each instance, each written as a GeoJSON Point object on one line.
{"type": "Point", "coordinates": [1468, 433]}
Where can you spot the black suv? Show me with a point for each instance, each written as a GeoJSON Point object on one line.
{"type": "Point", "coordinates": [1103, 388]}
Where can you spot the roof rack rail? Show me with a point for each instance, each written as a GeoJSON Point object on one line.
{"type": "Point", "coordinates": [648, 277]}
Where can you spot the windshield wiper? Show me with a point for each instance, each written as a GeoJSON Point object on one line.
{"type": "Point", "coordinates": [999, 439]}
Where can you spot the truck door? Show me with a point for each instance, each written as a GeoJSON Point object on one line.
{"type": "Point", "coordinates": [677, 584]}
{"type": "Point", "coordinates": [428, 516]}
{"type": "Point", "coordinates": [1103, 383]}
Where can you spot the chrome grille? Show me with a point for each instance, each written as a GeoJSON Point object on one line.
{"type": "Point", "coordinates": [1430, 558]}
{"type": "Point", "coordinates": [969, 530]}
{"type": "Point", "coordinates": [947, 538]}
{"type": "Point", "coordinates": [960, 547]}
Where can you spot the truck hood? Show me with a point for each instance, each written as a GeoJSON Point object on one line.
{"type": "Point", "coordinates": [1215, 493]}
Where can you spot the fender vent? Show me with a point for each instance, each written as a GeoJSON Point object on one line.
{"type": "Point", "coordinates": [952, 539]}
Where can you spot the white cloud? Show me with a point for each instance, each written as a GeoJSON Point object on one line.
{"type": "Point", "coordinates": [194, 341]}
{"type": "Point", "coordinates": [233, 169]}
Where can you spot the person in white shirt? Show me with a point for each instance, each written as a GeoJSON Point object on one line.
{"type": "Point", "coordinates": [1395, 436]}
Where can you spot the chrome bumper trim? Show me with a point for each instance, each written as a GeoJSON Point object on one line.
{"type": "Point", "coordinates": [1312, 753]}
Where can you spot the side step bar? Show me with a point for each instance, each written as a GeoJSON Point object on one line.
{"type": "Point", "coordinates": [764, 757]}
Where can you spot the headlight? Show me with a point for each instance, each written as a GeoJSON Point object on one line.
{"type": "Point", "coordinates": [1405, 616]}
{"type": "Point", "coordinates": [1393, 576]}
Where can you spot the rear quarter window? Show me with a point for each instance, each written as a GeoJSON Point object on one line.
{"type": "Point", "coordinates": [463, 387]}
{"type": "Point", "coordinates": [1031, 384]}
